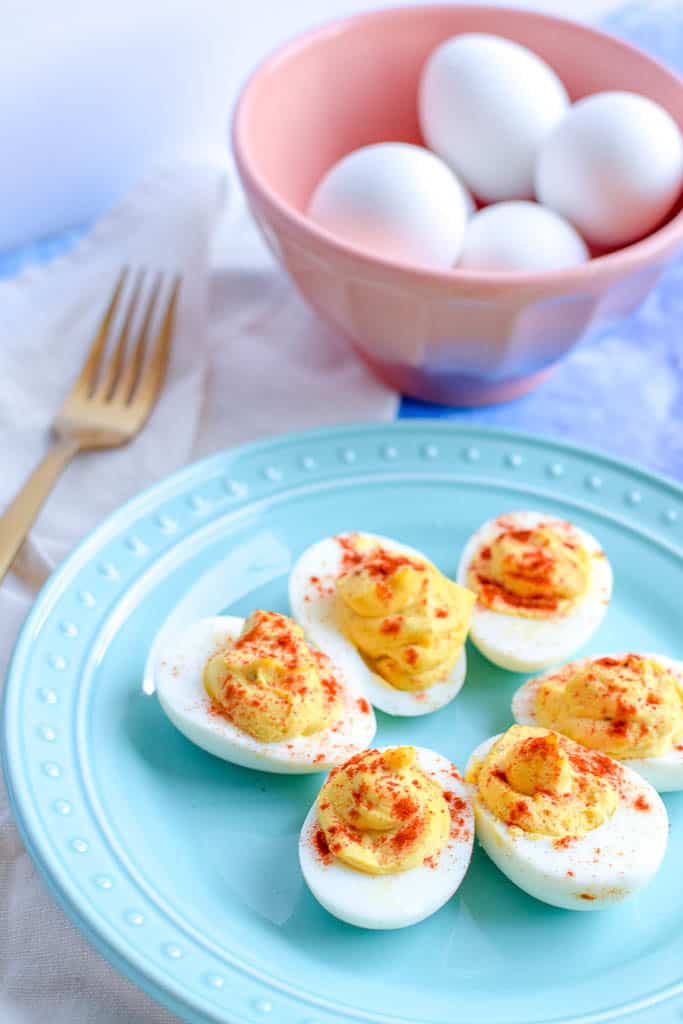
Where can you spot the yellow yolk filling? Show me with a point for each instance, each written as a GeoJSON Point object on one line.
{"type": "Point", "coordinates": [407, 620]}
{"type": "Point", "coordinates": [532, 573]}
{"type": "Point", "coordinates": [270, 683]}
{"type": "Point", "coordinates": [545, 784]}
{"type": "Point", "coordinates": [627, 707]}
{"type": "Point", "coordinates": [381, 814]}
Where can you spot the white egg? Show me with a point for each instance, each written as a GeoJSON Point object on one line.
{"type": "Point", "coordinates": [312, 601]}
{"type": "Point", "coordinates": [396, 201]}
{"type": "Point", "coordinates": [180, 689]}
{"type": "Point", "coordinates": [406, 897]}
{"type": "Point", "coordinates": [592, 871]}
{"type": "Point", "coordinates": [613, 166]}
{"type": "Point", "coordinates": [486, 104]}
{"type": "Point", "coordinates": [521, 236]}
{"type": "Point", "coordinates": [665, 772]}
{"type": "Point", "coordinates": [524, 644]}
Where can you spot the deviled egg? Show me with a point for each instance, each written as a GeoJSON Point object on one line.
{"type": "Point", "coordinates": [387, 617]}
{"type": "Point", "coordinates": [389, 839]}
{"type": "Point", "coordinates": [255, 693]}
{"type": "Point", "coordinates": [542, 584]}
{"type": "Point", "coordinates": [568, 825]}
{"type": "Point", "coordinates": [629, 706]}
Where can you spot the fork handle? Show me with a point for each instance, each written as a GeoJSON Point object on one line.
{"type": "Point", "coordinates": [21, 514]}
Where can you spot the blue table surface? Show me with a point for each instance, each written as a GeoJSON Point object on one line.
{"type": "Point", "coordinates": [620, 391]}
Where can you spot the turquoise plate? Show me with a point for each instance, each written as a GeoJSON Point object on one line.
{"type": "Point", "coordinates": [183, 870]}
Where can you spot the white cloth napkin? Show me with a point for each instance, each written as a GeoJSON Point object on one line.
{"type": "Point", "coordinates": [249, 361]}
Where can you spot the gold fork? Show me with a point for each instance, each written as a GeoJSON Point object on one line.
{"type": "Point", "coordinates": [108, 404]}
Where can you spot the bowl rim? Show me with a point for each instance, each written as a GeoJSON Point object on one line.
{"type": "Point", "coordinates": [637, 254]}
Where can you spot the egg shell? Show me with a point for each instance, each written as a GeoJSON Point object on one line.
{"type": "Point", "coordinates": [486, 104]}
{"type": "Point", "coordinates": [613, 166]}
{"type": "Point", "coordinates": [181, 693]}
{"type": "Point", "coordinates": [312, 601]}
{"type": "Point", "coordinates": [521, 236]}
{"type": "Point", "coordinates": [593, 871]}
{"type": "Point", "coordinates": [526, 645]}
{"type": "Point", "coordinates": [394, 200]}
{"type": "Point", "coordinates": [404, 898]}
{"type": "Point", "coordinates": [665, 772]}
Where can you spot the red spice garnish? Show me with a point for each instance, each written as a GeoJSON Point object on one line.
{"type": "Point", "coordinates": [392, 626]}
{"type": "Point", "coordinates": [518, 810]}
{"type": "Point", "coordinates": [410, 654]}
{"type": "Point", "coordinates": [456, 804]}
{"type": "Point", "coordinates": [408, 835]}
{"type": "Point", "coordinates": [594, 763]}
{"type": "Point", "coordinates": [441, 613]}
{"type": "Point", "coordinates": [570, 874]}
{"type": "Point", "coordinates": [564, 842]}
{"type": "Point", "coordinates": [318, 759]}
{"type": "Point", "coordinates": [586, 896]}
{"type": "Point", "coordinates": [641, 804]}
{"type": "Point", "coordinates": [363, 705]}
{"type": "Point", "coordinates": [331, 688]}
{"type": "Point", "coordinates": [378, 561]}
{"type": "Point", "coordinates": [404, 808]}
{"type": "Point", "coordinates": [321, 846]}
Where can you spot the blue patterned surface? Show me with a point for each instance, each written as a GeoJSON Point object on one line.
{"type": "Point", "coordinates": [621, 391]}
{"type": "Point", "coordinates": [182, 869]}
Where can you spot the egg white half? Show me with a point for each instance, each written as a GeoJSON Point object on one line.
{"type": "Point", "coordinates": [180, 689]}
{"type": "Point", "coordinates": [401, 899]}
{"type": "Point", "coordinates": [312, 606]}
{"type": "Point", "coordinates": [527, 645]}
{"type": "Point", "coordinates": [665, 772]}
{"type": "Point", "coordinates": [594, 871]}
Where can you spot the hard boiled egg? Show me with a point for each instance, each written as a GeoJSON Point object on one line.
{"type": "Point", "coordinates": [591, 871]}
{"type": "Point", "coordinates": [312, 598]}
{"type": "Point", "coordinates": [521, 236]}
{"type": "Point", "coordinates": [396, 201]}
{"type": "Point", "coordinates": [180, 688]}
{"type": "Point", "coordinates": [621, 718]}
{"type": "Point", "coordinates": [530, 628]}
{"type": "Point", "coordinates": [401, 898]}
{"type": "Point", "coordinates": [486, 104]}
{"type": "Point", "coordinates": [613, 166]}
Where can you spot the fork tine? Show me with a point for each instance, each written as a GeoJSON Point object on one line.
{"type": "Point", "coordinates": [131, 374]}
{"type": "Point", "coordinates": [107, 385]}
{"type": "Point", "coordinates": [87, 378]}
{"type": "Point", "coordinates": [153, 375]}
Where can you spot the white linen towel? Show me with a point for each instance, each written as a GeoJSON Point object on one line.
{"type": "Point", "coordinates": [247, 351]}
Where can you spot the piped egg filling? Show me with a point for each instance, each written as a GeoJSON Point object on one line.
{"type": "Point", "coordinates": [627, 707]}
{"type": "Point", "coordinates": [537, 781]}
{"type": "Point", "coordinates": [530, 572]}
{"type": "Point", "coordinates": [270, 683]}
{"type": "Point", "coordinates": [380, 813]}
{"type": "Point", "coordinates": [406, 619]}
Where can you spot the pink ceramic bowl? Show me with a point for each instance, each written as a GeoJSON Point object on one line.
{"type": "Point", "coordinates": [455, 336]}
